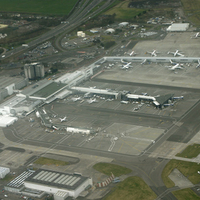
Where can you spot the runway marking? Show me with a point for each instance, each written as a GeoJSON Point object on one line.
{"type": "Point", "coordinates": [121, 147]}
{"type": "Point", "coordinates": [131, 146]}
{"type": "Point", "coordinates": [112, 144]}
{"type": "Point", "coordinates": [143, 130]}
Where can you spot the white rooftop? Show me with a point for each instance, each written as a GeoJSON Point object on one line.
{"type": "Point", "coordinates": [7, 121]}
{"type": "Point", "coordinates": [178, 27]}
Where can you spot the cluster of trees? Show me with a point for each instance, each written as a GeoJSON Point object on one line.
{"type": "Point", "coordinates": [99, 21]}
{"type": "Point", "coordinates": [16, 38]}
{"type": "Point", "coordinates": [108, 44]}
{"type": "Point", "coordinates": [49, 22]}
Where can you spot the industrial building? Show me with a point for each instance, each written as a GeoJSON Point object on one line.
{"type": "Point", "coordinates": [41, 182]}
{"type": "Point", "coordinates": [4, 170]}
{"type": "Point", "coordinates": [61, 185]}
{"type": "Point", "coordinates": [178, 27]}
{"type": "Point", "coordinates": [109, 94]}
{"type": "Point", "coordinates": [34, 70]}
{"type": "Point", "coordinates": [9, 85]}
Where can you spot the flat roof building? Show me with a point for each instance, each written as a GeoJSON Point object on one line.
{"type": "Point", "coordinates": [178, 27]}
{"type": "Point", "coordinates": [57, 183]}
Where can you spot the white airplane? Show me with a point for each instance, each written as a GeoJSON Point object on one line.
{"type": "Point", "coordinates": [76, 99]}
{"type": "Point", "coordinates": [143, 61]}
{"type": "Point", "coordinates": [91, 100]}
{"type": "Point", "coordinates": [153, 53]}
{"type": "Point", "coordinates": [196, 35]}
{"type": "Point", "coordinates": [176, 66]}
{"type": "Point", "coordinates": [63, 119]}
{"type": "Point", "coordinates": [198, 64]}
{"type": "Point", "coordinates": [124, 102]}
{"type": "Point", "coordinates": [54, 127]}
{"type": "Point", "coordinates": [124, 62]}
{"type": "Point", "coordinates": [168, 104]}
{"type": "Point", "coordinates": [181, 97]}
{"type": "Point", "coordinates": [176, 53]}
{"type": "Point", "coordinates": [127, 66]}
{"type": "Point", "coordinates": [133, 53]}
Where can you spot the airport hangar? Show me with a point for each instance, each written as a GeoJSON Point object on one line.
{"type": "Point", "coordinates": [38, 183]}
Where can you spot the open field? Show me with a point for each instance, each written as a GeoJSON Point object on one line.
{"type": "Point", "coordinates": [188, 169]}
{"type": "Point", "coordinates": [185, 194]}
{"type": "Point", "coordinates": [191, 151]}
{"type": "Point", "coordinates": [191, 9]}
{"type": "Point", "coordinates": [108, 168]}
{"type": "Point", "coordinates": [132, 188]}
{"type": "Point", "coordinates": [48, 161]}
{"type": "Point", "coordinates": [45, 7]}
{"type": "Point", "coordinates": [123, 12]}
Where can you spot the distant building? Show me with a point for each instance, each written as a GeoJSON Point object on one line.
{"type": "Point", "coordinates": [122, 24]}
{"type": "Point", "coordinates": [94, 31]}
{"type": "Point", "coordinates": [110, 30]}
{"type": "Point", "coordinates": [178, 27]}
{"type": "Point", "coordinates": [34, 70]}
{"type": "Point", "coordinates": [80, 34]}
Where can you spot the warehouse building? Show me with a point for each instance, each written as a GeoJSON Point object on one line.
{"type": "Point", "coordinates": [61, 185]}
{"type": "Point", "coordinates": [178, 27]}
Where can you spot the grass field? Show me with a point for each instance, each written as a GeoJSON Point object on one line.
{"type": "Point", "coordinates": [191, 9]}
{"type": "Point", "coordinates": [48, 161]}
{"type": "Point", "coordinates": [185, 194]}
{"type": "Point", "coordinates": [132, 188]}
{"type": "Point", "coordinates": [123, 12]}
{"type": "Point", "coordinates": [191, 151]}
{"type": "Point", "coordinates": [108, 168]}
{"type": "Point", "coordinates": [44, 7]}
{"type": "Point", "coordinates": [188, 169]}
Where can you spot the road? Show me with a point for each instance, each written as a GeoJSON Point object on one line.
{"type": "Point", "coordinates": [80, 15]}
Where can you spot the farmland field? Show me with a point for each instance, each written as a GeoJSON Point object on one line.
{"type": "Point", "coordinates": [44, 7]}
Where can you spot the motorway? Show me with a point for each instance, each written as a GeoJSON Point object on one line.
{"type": "Point", "coordinates": [80, 15]}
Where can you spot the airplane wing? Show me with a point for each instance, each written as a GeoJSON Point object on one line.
{"type": "Point", "coordinates": [180, 54]}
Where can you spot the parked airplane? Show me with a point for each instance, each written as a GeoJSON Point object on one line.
{"type": "Point", "coordinates": [91, 100]}
{"type": "Point", "coordinates": [176, 53]}
{"type": "Point", "coordinates": [124, 62]}
{"type": "Point", "coordinates": [181, 97]}
{"type": "Point", "coordinates": [176, 66]}
{"type": "Point", "coordinates": [198, 64]}
{"type": "Point", "coordinates": [124, 102]}
{"type": "Point", "coordinates": [133, 53]}
{"type": "Point", "coordinates": [196, 35]}
{"type": "Point", "coordinates": [168, 104]}
{"type": "Point", "coordinates": [54, 127]}
{"type": "Point", "coordinates": [127, 66]}
{"type": "Point", "coordinates": [143, 61]}
{"type": "Point", "coordinates": [153, 53]}
{"type": "Point", "coordinates": [76, 99]}
{"type": "Point", "coordinates": [63, 119]}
